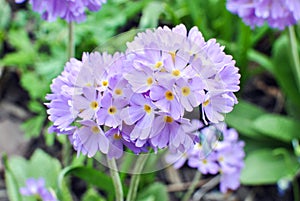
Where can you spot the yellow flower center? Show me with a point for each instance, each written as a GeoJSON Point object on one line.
{"type": "Point", "coordinates": [118, 91]}
{"type": "Point", "coordinates": [221, 158]}
{"type": "Point", "coordinates": [95, 129]}
{"type": "Point", "coordinates": [185, 91]}
{"type": "Point", "coordinates": [168, 119]}
{"type": "Point", "coordinates": [117, 136]}
{"type": "Point", "coordinates": [104, 83]}
{"type": "Point", "coordinates": [149, 81]}
{"type": "Point", "coordinates": [169, 95]}
{"type": "Point", "coordinates": [176, 72]}
{"type": "Point", "coordinates": [158, 64]}
{"type": "Point", "coordinates": [147, 108]}
{"type": "Point", "coordinates": [206, 103]}
{"type": "Point", "coordinates": [94, 105]}
{"type": "Point", "coordinates": [112, 110]}
{"type": "Point", "coordinates": [204, 161]}
{"type": "Point", "coordinates": [173, 55]}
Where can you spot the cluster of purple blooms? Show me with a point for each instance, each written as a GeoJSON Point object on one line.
{"type": "Point", "coordinates": [69, 10]}
{"type": "Point", "coordinates": [37, 188]}
{"type": "Point", "coordinates": [278, 14]}
{"type": "Point", "coordinates": [138, 99]}
{"type": "Point", "coordinates": [219, 151]}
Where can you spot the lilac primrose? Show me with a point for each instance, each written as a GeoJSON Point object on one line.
{"type": "Point", "coordinates": [147, 91]}
{"type": "Point", "coordinates": [69, 10]}
{"type": "Point", "coordinates": [278, 14]}
{"type": "Point", "coordinates": [37, 188]}
{"type": "Point", "coordinates": [211, 155]}
{"type": "Point", "coordinates": [91, 137]}
{"type": "Point", "coordinates": [141, 112]}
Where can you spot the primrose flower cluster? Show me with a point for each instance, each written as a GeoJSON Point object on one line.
{"type": "Point", "coordinates": [69, 10]}
{"type": "Point", "coordinates": [137, 100]}
{"type": "Point", "coordinates": [37, 188]}
{"type": "Point", "coordinates": [278, 14]}
{"type": "Point", "coordinates": [219, 151]}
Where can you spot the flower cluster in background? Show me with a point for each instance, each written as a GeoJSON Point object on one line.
{"type": "Point", "coordinates": [69, 10]}
{"type": "Point", "coordinates": [278, 14]}
{"type": "Point", "coordinates": [139, 99]}
{"type": "Point", "coordinates": [37, 188]}
{"type": "Point", "coordinates": [219, 151]}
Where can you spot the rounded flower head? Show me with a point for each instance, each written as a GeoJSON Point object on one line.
{"type": "Point", "coordinates": [278, 14]}
{"type": "Point", "coordinates": [142, 97]}
{"type": "Point", "coordinates": [69, 10]}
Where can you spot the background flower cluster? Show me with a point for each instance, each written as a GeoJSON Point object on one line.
{"type": "Point", "coordinates": [219, 151]}
{"type": "Point", "coordinates": [278, 14]}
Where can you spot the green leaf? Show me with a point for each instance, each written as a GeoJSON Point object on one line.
{"type": "Point", "coordinates": [92, 195]}
{"type": "Point", "coordinates": [36, 87]}
{"type": "Point", "coordinates": [33, 126]}
{"type": "Point", "coordinates": [242, 117]}
{"type": "Point", "coordinates": [20, 40]}
{"type": "Point", "coordinates": [20, 59]}
{"type": "Point", "coordinates": [261, 59]}
{"type": "Point", "coordinates": [279, 127]}
{"type": "Point", "coordinates": [11, 182]}
{"type": "Point", "coordinates": [90, 175]}
{"type": "Point", "coordinates": [149, 18]}
{"type": "Point", "coordinates": [284, 69]}
{"type": "Point", "coordinates": [264, 167]}
{"type": "Point", "coordinates": [36, 107]}
{"type": "Point", "coordinates": [154, 192]}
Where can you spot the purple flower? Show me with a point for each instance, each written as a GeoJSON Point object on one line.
{"type": "Point", "coordinates": [109, 113]}
{"type": "Point", "coordinates": [230, 181]}
{"type": "Point", "coordinates": [212, 155]}
{"type": "Point", "coordinates": [166, 100]}
{"type": "Point", "coordinates": [141, 80]}
{"type": "Point", "coordinates": [69, 10]}
{"type": "Point", "coordinates": [37, 188]}
{"type": "Point", "coordinates": [87, 104]}
{"type": "Point", "coordinates": [216, 105]}
{"type": "Point", "coordinates": [141, 112]}
{"type": "Point", "coordinates": [278, 14]}
{"type": "Point", "coordinates": [204, 164]}
{"type": "Point", "coordinates": [119, 87]}
{"type": "Point", "coordinates": [190, 92]}
{"type": "Point", "coordinates": [119, 139]}
{"type": "Point", "coordinates": [170, 132]}
{"type": "Point", "coordinates": [91, 138]}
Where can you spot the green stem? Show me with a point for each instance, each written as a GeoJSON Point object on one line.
{"type": "Point", "coordinates": [192, 187]}
{"type": "Point", "coordinates": [71, 44]}
{"type": "Point", "coordinates": [134, 183]}
{"type": "Point", "coordinates": [116, 179]}
{"type": "Point", "coordinates": [295, 54]}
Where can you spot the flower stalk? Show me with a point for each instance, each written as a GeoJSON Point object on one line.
{"type": "Point", "coordinates": [71, 43]}
{"type": "Point", "coordinates": [135, 179]}
{"type": "Point", "coordinates": [116, 179]}
{"type": "Point", "coordinates": [192, 187]}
